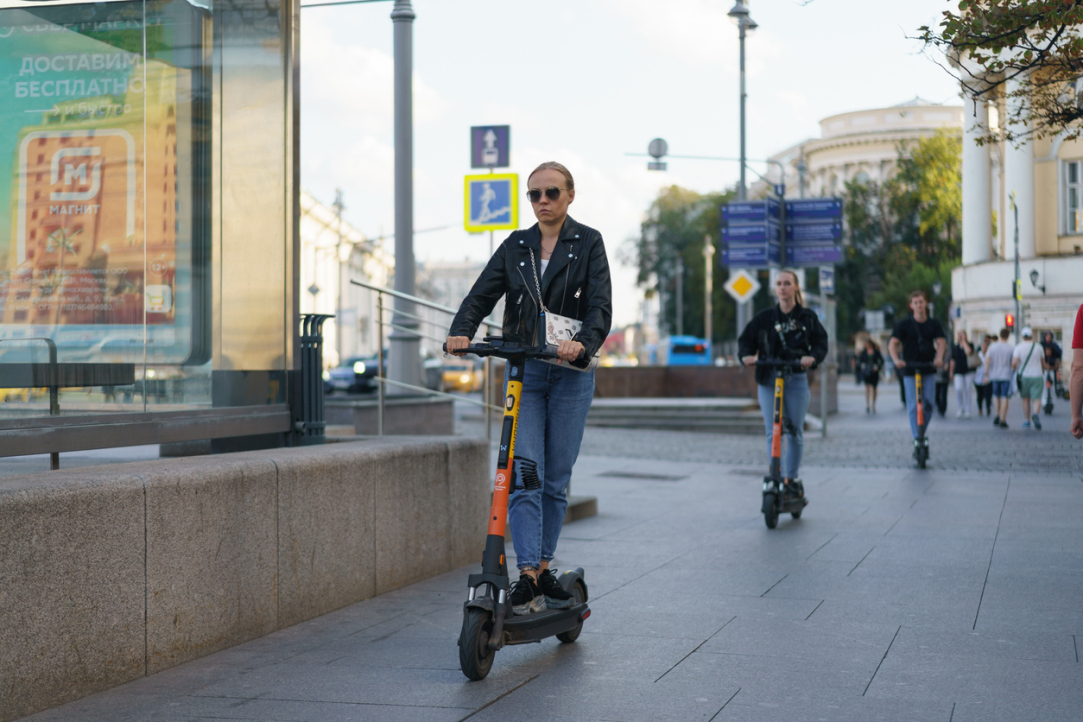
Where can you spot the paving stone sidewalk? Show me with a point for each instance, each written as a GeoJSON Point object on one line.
{"type": "Point", "coordinates": [937, 595]}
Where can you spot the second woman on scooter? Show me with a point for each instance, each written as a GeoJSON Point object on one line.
{"type": "Point", "coordinates": [787, 331]}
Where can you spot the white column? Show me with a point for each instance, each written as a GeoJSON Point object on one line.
{"type": "Point", "coordinates": [1018, 178]}
{"type": "Point", "coordinates": [977, 206]}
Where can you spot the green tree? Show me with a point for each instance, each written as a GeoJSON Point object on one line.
{"type": "Point", "coordinates": [905, 234]}
{"type": "Point", "coordinates": [671, 241]}
{"type": "Point", "coordinates": [1038, 43]}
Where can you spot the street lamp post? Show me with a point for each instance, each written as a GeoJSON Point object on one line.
{"type": "Point", "coordinates": [745, 24]}
{"type": "Point", "coordinates": [404, 365]}
{"type": "Point", "coordinates": [740, 15]}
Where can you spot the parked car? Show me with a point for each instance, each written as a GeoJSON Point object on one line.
{"type": "Point", "coordinates": [463, 375]}
{"type": "Point", "coordinates": [357, 374]}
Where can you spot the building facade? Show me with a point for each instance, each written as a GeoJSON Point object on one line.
{"type": "Point", "coordinates": [1023, 200]}
{"type": "Point", "coordinates": [332, 253]}
{"type": "Point", "coordinates": [861, 146]}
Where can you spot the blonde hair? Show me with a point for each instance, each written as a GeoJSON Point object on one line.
{"type": "Point", "coordinates": [796, 284]}
{"type": "Point", "coordinates": [553, 165]}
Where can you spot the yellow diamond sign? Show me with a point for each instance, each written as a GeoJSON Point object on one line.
{"type": "Point", "coordinates": [742, 285]}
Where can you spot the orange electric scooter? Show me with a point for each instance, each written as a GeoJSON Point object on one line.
{"type": "Point", "coordinates": [488, 623]}
{"type": "Point", "coordinates": [921, 444]}
{"type": "Point", "coordinates": [779, 498]}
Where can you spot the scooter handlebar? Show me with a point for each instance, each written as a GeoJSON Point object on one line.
{"type": "Point", "coordinates": [775, 363]}
{"type": "Point", "coordinates": [497, 347]}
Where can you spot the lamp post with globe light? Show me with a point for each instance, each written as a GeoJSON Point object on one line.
{"type": "Point", "coordinates": [739, 14]}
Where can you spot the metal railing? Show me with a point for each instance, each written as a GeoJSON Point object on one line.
{"type": "Point", "coordinates": [382, 381]}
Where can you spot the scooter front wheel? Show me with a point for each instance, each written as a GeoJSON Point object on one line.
{"type": "Point", "coordinates": [475, 657]}
{"type": "Point", "coordinates": [923, 455]}
{"type": "Point", "coordinates": [573, 634]}
{"type": "Point", "coordinates": [770, 510]}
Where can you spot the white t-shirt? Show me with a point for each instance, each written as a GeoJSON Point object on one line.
{"type": "Point", "coordinates": [544, 265]}
{"type": "Point", "coordinates": [1033, 368]}
{"type": "Point", "coordinates": [1000, 361]}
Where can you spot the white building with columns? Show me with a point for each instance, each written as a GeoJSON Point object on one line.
{"type": "Point", "coordinates": [1045, 177]}
{"type": "Point", "coordinates": [861, 145]}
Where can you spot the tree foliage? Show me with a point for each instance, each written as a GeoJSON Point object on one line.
{"type": "Point", "coordinates": [903, 235]}
{"type": "Point", "coordinates": [671, 241]}
{"type": "Point", "coordinates": [1038, 43]}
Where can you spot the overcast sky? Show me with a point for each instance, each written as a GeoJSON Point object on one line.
{"type": "Point", "coordinates": [584, 82]}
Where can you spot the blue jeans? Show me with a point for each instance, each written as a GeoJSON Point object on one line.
{"type": "Point", "coordinates": [928, 388]}
{"type": "Point", "coordinates": [794, 407]}
{"type": "Point", "coordinates": [552, 416]}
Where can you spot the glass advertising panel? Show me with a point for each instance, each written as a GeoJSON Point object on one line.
{"type": "Point", "coordinates": [105, 202]}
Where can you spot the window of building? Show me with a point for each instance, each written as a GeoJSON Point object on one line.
{"type": "Point", "coordinates": [1072, 197]}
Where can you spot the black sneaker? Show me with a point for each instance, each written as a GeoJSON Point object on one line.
{"type": "Point", "coordinates": [555, 596]}
{"type": "Point", "coordinates": [1037, 422]}
{"type": "Point", "coordinates": [525, 596]}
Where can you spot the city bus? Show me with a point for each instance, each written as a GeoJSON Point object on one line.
{"type": "Point", "coordinates": [688, 351]}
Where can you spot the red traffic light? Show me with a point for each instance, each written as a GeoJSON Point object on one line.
{"type": "Point", "coordinates": [1009, 320]}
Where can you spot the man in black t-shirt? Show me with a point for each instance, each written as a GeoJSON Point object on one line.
{"type": "Point", "coordinates": [919, 339]}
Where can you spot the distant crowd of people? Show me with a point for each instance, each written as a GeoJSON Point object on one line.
{"type": "Point", "coordinates": [989, 370]}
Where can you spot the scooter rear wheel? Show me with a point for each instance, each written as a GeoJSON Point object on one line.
{"type": "Point", "coordinates": [770, 510]}
{"type": "Point", "coordinates": [475, 657]}
{"type": "Point", "coordinates": [573, 634]}
{"type": "Point", "coordinates": [923, 455]}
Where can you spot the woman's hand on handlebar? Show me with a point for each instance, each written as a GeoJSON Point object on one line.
{"type": "Point", "coordinates": [570, 350]}
{"type": "Point", "coordinates": [749, 360]}
{"type": "Point", "coordinates": [807, 361]}
{"type": "Point", "coordinates": [455, 344]}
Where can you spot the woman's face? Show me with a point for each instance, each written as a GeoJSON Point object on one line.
{"type": "Point", "coordinates": [960, 337]}
{"type": "Point", "coordinates": [785, 287]}
{"type": "Point", "coordinates": [869, 347]}
{"type": "Point", "coordinates": [546, 210]}
{"type": "Point", "coordinates": [985, 344]}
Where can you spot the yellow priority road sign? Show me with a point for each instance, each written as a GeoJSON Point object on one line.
{"type": "Point", "coordinates": [742, 285]}
{"type": "Point", "coordinates": [492, 202]}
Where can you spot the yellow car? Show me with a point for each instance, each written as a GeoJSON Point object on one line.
{"type": "Point", "coordinates": [463, 376]}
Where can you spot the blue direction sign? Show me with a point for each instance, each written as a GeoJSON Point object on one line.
{"type": "Point", "coordinates": [490, 146]}
{"type": "Point", "coordinates": [492, 202]}
{"type": "Point", "coordinates": [827, 280]}
{"type": "Point", "coordinates": [751, 233]}
{"type": "Point", "coordinates": [800, 209]}
{"type": "Point", "coordinates": [813, 231]}
{"type": "Point", "coordinates": [749, 211]}
{"type": "Point", "coordinates": [751, 254]}
{"type": "Point", "coordinates": [813, 254]}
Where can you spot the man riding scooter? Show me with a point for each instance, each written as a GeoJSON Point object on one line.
{"type": "Point", "coordinates": [920, 339]}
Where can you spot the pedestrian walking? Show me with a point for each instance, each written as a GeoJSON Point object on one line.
{"type": "Point", "coordinates": [943, 383]}
{"type": "Point", "coordinates": [789, 332]}
{"type": "Point", "coordinates": [556, 264]}
{"type": "Point", "coordinates": [1051, 358]}
{"type": "Point", "coordinates": [869, 365]}
{"type": "Point", "coordinates": [1027, 365]}
{"type": "Point", "coordinates": [962, 374]}
{"type": "Point", "coordinates": [1075, 381]}
{"type": "Point", "coordinates": [983, 387]}
{"type": "Point", "coordinates": [998, 369]}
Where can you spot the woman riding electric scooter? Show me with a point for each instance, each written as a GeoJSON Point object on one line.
{"type": "Point", "coordinates": [560, 266]}
{"type": "Point", "coordinates": [787, 331]}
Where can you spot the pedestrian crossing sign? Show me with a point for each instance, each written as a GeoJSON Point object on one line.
{"type": "Point", "coordinates": [492, 202]}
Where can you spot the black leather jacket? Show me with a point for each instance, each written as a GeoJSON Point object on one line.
{"type": "Point", "coordinates": [576, 284]}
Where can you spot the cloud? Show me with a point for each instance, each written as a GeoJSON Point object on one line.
{"type": "Point", "coordinates": [354, 85]}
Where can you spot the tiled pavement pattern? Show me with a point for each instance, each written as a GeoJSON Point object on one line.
{"type": "Point", "coordinates": [900, 595]}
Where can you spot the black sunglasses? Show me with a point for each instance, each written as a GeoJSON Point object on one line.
{"type": "Point", "coordinates": [552, 193]}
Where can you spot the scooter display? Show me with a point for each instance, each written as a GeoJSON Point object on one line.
{"type": "Point", "coordinates": [778, 497]}
{"type": "Point", "coordinates": [921, 444]}
{"type": "Point", "coordinates": [488, 622]}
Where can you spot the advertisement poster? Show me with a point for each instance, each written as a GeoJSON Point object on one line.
{"type": "Point", "coordinates": [100, 148]}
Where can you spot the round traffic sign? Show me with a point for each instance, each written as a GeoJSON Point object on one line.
{"type": "Point", "coordinates": [658, 148]}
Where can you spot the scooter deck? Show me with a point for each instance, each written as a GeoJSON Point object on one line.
{"type": "Point", "coordinates": [540, 625]}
